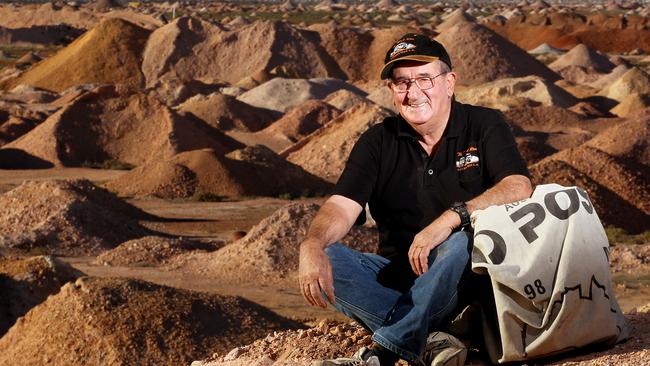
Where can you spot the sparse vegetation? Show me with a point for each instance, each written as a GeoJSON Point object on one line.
{"type": "Point", "coordinates": [110, 164]}
{"type": "Point", "coordinates": [617, 235]}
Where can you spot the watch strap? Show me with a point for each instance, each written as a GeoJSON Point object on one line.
{"type": "Point", "coordinates": [461, 209]}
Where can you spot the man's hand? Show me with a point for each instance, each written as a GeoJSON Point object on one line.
{"type": "Point", "coordinates": [315, 275]}
{"type": "Point", "coordinates": [429, 238]}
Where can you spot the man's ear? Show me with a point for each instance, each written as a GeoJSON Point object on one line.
{"type": "Point", "coordinates": [451, 83]}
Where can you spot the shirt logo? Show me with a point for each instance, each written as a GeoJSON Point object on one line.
{"type": "Point", "coordinates": [467, 159]}
{"type": "Point", "coordinates": [403, 46]}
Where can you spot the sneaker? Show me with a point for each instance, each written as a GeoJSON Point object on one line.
{"type": "Point", "coordinates": [443, 349]}
{"type": "Point", "coordinates": [363, 357]}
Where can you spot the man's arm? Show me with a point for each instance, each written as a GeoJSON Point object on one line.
{"type": "Point", "coordinates": [509, 189]}
{"type": "Point", "coordinates": [331, 224]}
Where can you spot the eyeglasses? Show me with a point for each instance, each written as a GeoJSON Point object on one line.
{"type": "Point", "coordinates": [424, 83]}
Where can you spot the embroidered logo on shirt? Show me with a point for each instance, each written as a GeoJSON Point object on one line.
{"type": "Point", "coordinates": [467, 159]}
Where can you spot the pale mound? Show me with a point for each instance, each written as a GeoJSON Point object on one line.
{"type": "Point", "coordinates": [152, 250]}
{"type": "Point", "coordinates": [454, 18]}
{"type": "Point", "coordinates": [583, 56]}
{"type": "Point", "coordinates": [108, 53]}
{"type": "Point", "coordinates": [479, 55]}
{"type": "Point", "coordinates": [25, 283]}
{"type": "Point", "coordinates": [632, 103]}
{"type": "Point", "coordinates": [269, 252]}
{"type": "Point", "coordinates": [280, 94]}
{"type": "Point", "coordinates": [343, 99]}
{"type": "Point", "coordinates": [206, 173]}
{"type": "Point", "coordinates": [629, 258]}
{"type": "Point", "coordinates": [97, 321]}
{"type": "Point", "coordinates": [348, 46]}
{"type": "Point", "coordinates": [579, 75]}
{"type": "Point", "coordinates": [505, 93]}
{"type": "Point", "coordinates": [224, 112]}
{"type": "Point", "coordinates": [303, 119]}
{"type": "Point", "coordinates": [66, 217]}
{"type": "Point", "coordinates": [194, 50]}
{"type": "Point", "coordinates": [606, 80]}
{"type": "Point", "coordinates": [633, 81]}
{"type": "Point", "coordinates": [102, 126]}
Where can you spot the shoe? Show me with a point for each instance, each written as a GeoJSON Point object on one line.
{"type": "Point", "coordinates": [443, 349]}
{"type": "Point", "coordinates": [363, 357]}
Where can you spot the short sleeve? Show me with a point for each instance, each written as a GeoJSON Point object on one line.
{"type": "Point", "coordinates": [501, 154]}
{"type": "Point", "coordinates": [359, 176]}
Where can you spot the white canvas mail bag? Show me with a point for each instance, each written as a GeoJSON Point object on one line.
{"type": "Point", "coordinates": [547, 258]}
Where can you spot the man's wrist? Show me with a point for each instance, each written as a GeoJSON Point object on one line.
{"type": "Point", "coordinates": [460, 209]}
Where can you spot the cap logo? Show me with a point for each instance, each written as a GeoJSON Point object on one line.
{"type": "Point", "coordinates": [400, 47]}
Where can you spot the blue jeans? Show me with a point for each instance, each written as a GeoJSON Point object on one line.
{"type": "Point", "coordinates": [400, 321]}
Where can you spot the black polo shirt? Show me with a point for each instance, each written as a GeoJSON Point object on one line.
{"type": "Point", "coordinates": [406, 189]}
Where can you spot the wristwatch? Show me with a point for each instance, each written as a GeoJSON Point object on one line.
{"type": "Point", "coordinates": [461, 209]}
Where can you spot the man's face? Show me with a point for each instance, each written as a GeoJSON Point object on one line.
{"type": "Point", "coordinates": [417, 106]}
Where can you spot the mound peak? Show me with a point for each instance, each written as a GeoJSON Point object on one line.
{"type": "Point", "coordinates": [583, 56]}
{"type": "Point", "coordinates": [131, 322]}
{"type": "Point", "coordinates": [479, 55]}
{"type": "Point", "coordinates": [263, 46]}
{"type": "Point", "coordinates": [303, 119]}
{"type": "Point", "coordinates": [108, 53]}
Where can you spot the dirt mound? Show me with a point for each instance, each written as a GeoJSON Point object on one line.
{"type": "Point", "coordinates": [331, 339]}
{"type": "Point", "coordinates": [343, 99]}
{"type": "Point", "coordinates": [130, 322]}
{"type": "Point", "coordinates": [605, 80]}
{"type": "Point", "coordinates": [152, 251]}
{"type": "Point", "coordinates": [633, 81]}
{"type": "Point", "coordinates": [108, 53]}
{"type": "Point", "coordinates": [66, 217]}
{"type": "Point", "coordinates": [225, 112]}
{"type": "Point", "coordinates": [27, 282]}
{"type": "Point", "coordinates": [269, 251]}
{"type": "Point", "coordinates": [629, 258]}
{"type": "Point", "coordinates": [280, 94]}
{"type": "Point", "coordinates": [628, 141]}
{"type": "Point", "coordinates": [583, 56]}
{"type": "Point", "coordinates": [193, 49]}
{"type": "Point", "coordinates": [303, 119]}
{"type": "Point", "coordinates": [324, 152]}
{"type": "Point", "coordinates": [348, 47]}
{"type": "Point", "coordinates": [632, 103]}
{"type": "Point", "coordinates": [206, 173]}
{"type": "Point", "coordinates": [455, 17]}
{"type": "Point", "coordinates": [480, 55]}
{"type": "Point", "coordinates": [614, 185]}
{"type": "Point", "coordinates": [105, 126]}
{"type": "Point", "coordinates": [509, 92]}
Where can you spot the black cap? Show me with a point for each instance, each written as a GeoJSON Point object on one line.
{"type": "Point", "coordinates": [416, 47]}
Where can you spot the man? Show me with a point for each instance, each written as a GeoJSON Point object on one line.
{"type": "Point", "coordinates": [422, 174]}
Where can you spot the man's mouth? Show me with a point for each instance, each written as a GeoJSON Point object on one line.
{"type": "Point", "coordinates": [416, 105]}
